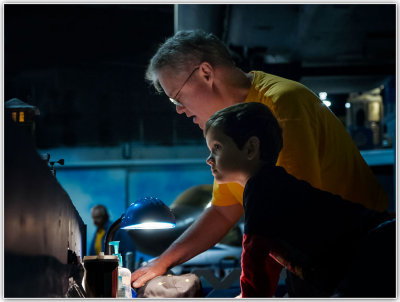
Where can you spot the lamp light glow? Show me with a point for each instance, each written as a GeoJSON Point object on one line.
{"type": "Point", "coordinates": [145, 213]}
{"type": "Point", "coordinates": [150, 225]}
{"type": "Point", "coordinates": [149, 212]}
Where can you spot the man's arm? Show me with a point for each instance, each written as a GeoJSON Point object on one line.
{"type": "Point", "coordinates": [209, 229]}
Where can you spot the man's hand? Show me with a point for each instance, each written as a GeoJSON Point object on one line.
{"type": "Point", "coordinates": [209, 229]}
{"type": "Point", "coordinates": [146, 273]}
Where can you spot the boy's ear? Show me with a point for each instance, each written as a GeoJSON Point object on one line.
{"type": "Point", "coordinates": [253, 147]}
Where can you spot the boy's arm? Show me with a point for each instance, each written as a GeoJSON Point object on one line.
{"type": "Point", "coordinates": [260, 273]}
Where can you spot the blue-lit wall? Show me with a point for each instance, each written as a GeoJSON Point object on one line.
{"type": "Point", "coordinates": [117, 187]}
{"type": "Point", "coordinates": [118, 183]}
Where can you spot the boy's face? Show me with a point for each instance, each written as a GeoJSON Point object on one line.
{"type": "Point", "coordinates": [227, 161]}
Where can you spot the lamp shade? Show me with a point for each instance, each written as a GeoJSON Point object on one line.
{"type": "Point", "coordinates": [148, 213]}
{"type": "Point", "coordinates": [145, 213]}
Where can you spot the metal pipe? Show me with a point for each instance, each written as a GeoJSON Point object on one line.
{"type": "Point", "coordinates": [131, 163]}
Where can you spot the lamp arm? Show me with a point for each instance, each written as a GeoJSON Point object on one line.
{"type": "Point", "coordinates": [110, 235]}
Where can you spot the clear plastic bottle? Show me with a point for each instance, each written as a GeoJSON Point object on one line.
{"type": "Point", "coordinates": [124, 275]}
{"type": "Point", "coordinates": [124, 283]}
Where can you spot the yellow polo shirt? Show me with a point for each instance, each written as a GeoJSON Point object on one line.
{"type": "Point", "coordinates": [316, 146]}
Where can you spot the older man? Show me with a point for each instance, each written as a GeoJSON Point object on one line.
{"type": "Point", "coordinates": [197, 73]}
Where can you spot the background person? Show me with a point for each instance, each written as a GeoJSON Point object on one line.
{"type": "Point", "coordinates": [197, 73]}
{"type": "Point", "coordinates": [101, 219]}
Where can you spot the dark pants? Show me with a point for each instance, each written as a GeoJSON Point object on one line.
{"type": "Point", "coordinates": [298, 288]}
{"type": "Point", "coordinates": [372, 273]}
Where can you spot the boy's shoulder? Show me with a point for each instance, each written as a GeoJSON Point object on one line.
{"type": "Point", "coordinates": [267, 176]}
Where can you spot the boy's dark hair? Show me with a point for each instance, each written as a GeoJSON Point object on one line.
{"type": "Point", "coordinates": [244, 120]}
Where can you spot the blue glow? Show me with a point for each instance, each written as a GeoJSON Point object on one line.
{"type": "Point", "coordinates": [150, 226]}
{"type": "Point", "coordinates": [88, 186]}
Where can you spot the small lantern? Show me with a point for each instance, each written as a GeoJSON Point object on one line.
{"type": "Point", "coordinates": [22, 113]}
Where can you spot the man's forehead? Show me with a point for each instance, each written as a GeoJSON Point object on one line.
{"type": "Point", "coordinates": [167, 78]}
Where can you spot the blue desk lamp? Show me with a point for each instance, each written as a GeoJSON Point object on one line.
{"type": "Point", "coordinates": [145, 213]}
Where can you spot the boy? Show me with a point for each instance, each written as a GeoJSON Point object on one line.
{"type": "Point", "coordinates": [347, 251]}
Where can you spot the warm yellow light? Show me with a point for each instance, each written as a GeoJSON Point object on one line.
{"type": "Point", "coordinates": [21, 117]}
{"type": "Point", "coordinates": [14, 116]}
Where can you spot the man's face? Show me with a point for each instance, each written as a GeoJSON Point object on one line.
{"type": "Point", "coordinates": [227, 161]}
{"type": "Point", "coordinates": [196, 92]}
{"type": "Point", "coordinates": [98, 217]}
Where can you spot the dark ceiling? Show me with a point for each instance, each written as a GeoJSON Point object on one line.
{"type": "Point", "coordinates": [337, 48]}
{"type": "Point", "coordinates": [83, 65]}
{"type": "Point", "coordinates": [59, 35]}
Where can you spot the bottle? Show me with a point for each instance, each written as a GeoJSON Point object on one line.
{"type": "Point", "coordinates": [124, 275]}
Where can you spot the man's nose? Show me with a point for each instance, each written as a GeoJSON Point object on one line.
{"type": "Point", "coordinates": [179, 109]}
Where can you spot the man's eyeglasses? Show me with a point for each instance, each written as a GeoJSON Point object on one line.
{"type": "Point", "coordinates": [173, 100]}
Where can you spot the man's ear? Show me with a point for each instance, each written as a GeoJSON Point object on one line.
{"type": "Point", "coordinates": [207, 72]}
{"type": "Point", "coordinates": [253, 148]}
